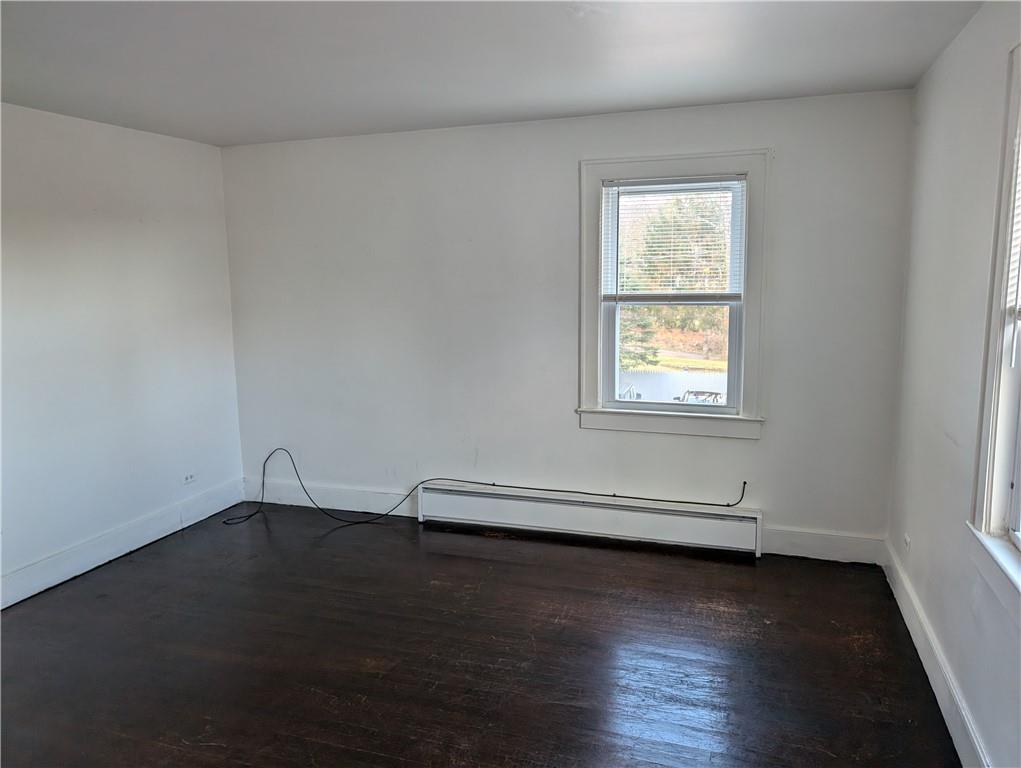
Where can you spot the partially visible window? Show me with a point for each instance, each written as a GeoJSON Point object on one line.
{"type": "Point", "coordinates": [672, 293]}
{"type": "Point", "coordinates": [1013, 362]}
{"type": "Point", "coordinates": [999, 501]}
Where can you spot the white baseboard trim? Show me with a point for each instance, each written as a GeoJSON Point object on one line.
{"type": "Point", "coordinates": [777, 539]}
{"type": "Point", "coordinates": [332, 496]}
{"type": "Point", "coordinates": [948, 693]}
{"type": "Point", "coordinates": [822, 544]}
{"type": "Point", "coordinates": [85, 555]}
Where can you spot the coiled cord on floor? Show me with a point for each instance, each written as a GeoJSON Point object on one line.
{"type": "Point", "coordinates": [345, 523]}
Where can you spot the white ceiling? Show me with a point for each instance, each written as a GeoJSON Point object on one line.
{"type": "Point", "coordinates": [246, 72]}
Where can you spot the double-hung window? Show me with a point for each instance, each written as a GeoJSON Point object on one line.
{"type": "Point", "coordinates": [671, 259]}
{"type": "Point", "coordinates": [672, 265]}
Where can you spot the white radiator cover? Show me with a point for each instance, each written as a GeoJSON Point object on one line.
{"type": "Point", "coordinates": [735, 528]}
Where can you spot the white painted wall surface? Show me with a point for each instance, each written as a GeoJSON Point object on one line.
{"type": "Point", "coordinates": [407, 305]}
{"type": "Point", "coordinates": [118, 374]}
{"type": "Point", "coordinates": [960, 124]}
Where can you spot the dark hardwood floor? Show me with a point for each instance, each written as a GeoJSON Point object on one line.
{"type": "Point", "coordinates": [281, 643]}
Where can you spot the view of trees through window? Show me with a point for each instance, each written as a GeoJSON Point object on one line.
{"type": "Point", "coordinates": [673, 353]}
{"type": "Point", "coordinates": [668, 242]}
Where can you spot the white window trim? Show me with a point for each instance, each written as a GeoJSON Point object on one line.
{"type": "Point", "coordinates": [999, 563]}
{"type": "Point", "coordinates": [593, 410]}
{"type": "Point", "coordinates": [998, 452]}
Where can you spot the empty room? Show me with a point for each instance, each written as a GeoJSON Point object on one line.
{"type": "Point", "coordinates": [510, 384]}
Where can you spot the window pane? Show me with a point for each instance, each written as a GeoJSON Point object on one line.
{"type": "Point", "coordinates": [679, 238]}
{"type": "Point", "coordinates": [1014, 257]}
{"type": "Point", "coordinates": [673, 353]}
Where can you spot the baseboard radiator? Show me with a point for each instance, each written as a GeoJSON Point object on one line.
{"type": "Point", "coordinates": [666, 522]}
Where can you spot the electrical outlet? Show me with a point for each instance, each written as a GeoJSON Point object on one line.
{"type": "Point", "coordinates": [188, 478]}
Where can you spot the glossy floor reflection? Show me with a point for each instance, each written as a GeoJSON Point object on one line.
{"type": "Point", "coordinates": [280, 643]}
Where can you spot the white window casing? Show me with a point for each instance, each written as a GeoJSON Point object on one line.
{"type": "Point", "coordinates": [614, 190]}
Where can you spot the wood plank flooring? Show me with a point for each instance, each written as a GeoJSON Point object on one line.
{"type": "Point", "coordinates": [283, 643]}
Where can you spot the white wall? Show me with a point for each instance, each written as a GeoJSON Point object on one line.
{"type": "Point", "coordinates": [118, 374]}
{"type": "Point", "coordinates": [407, 305]}
{"type": "Point", "coordinates": [960, 122]}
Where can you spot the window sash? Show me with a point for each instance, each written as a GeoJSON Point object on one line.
{"type": "Point", "coordinates": [1014, 503]}
{"type": "Point", "coordinates": [735, 184]}
{"type": "Point", "coordinates": [609, 331]}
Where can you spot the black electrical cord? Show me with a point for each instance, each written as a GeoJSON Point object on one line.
{"type": "Point", "coordinates": [262, 496]}
{"type": "Point", "coordinates": [346, 523]}
{"type": "Point", "coordinates": [262, 493]}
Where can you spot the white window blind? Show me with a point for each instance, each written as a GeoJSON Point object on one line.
{"type": "Point", "coordinates": [673, 238]}
{"type": "Point", "coordinates": [1014, 257]}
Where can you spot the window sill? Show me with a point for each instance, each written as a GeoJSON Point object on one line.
{"type": "Point", "coordinates": [671, 423]}
{"type": "Point", "coordinates": [999, 562]}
